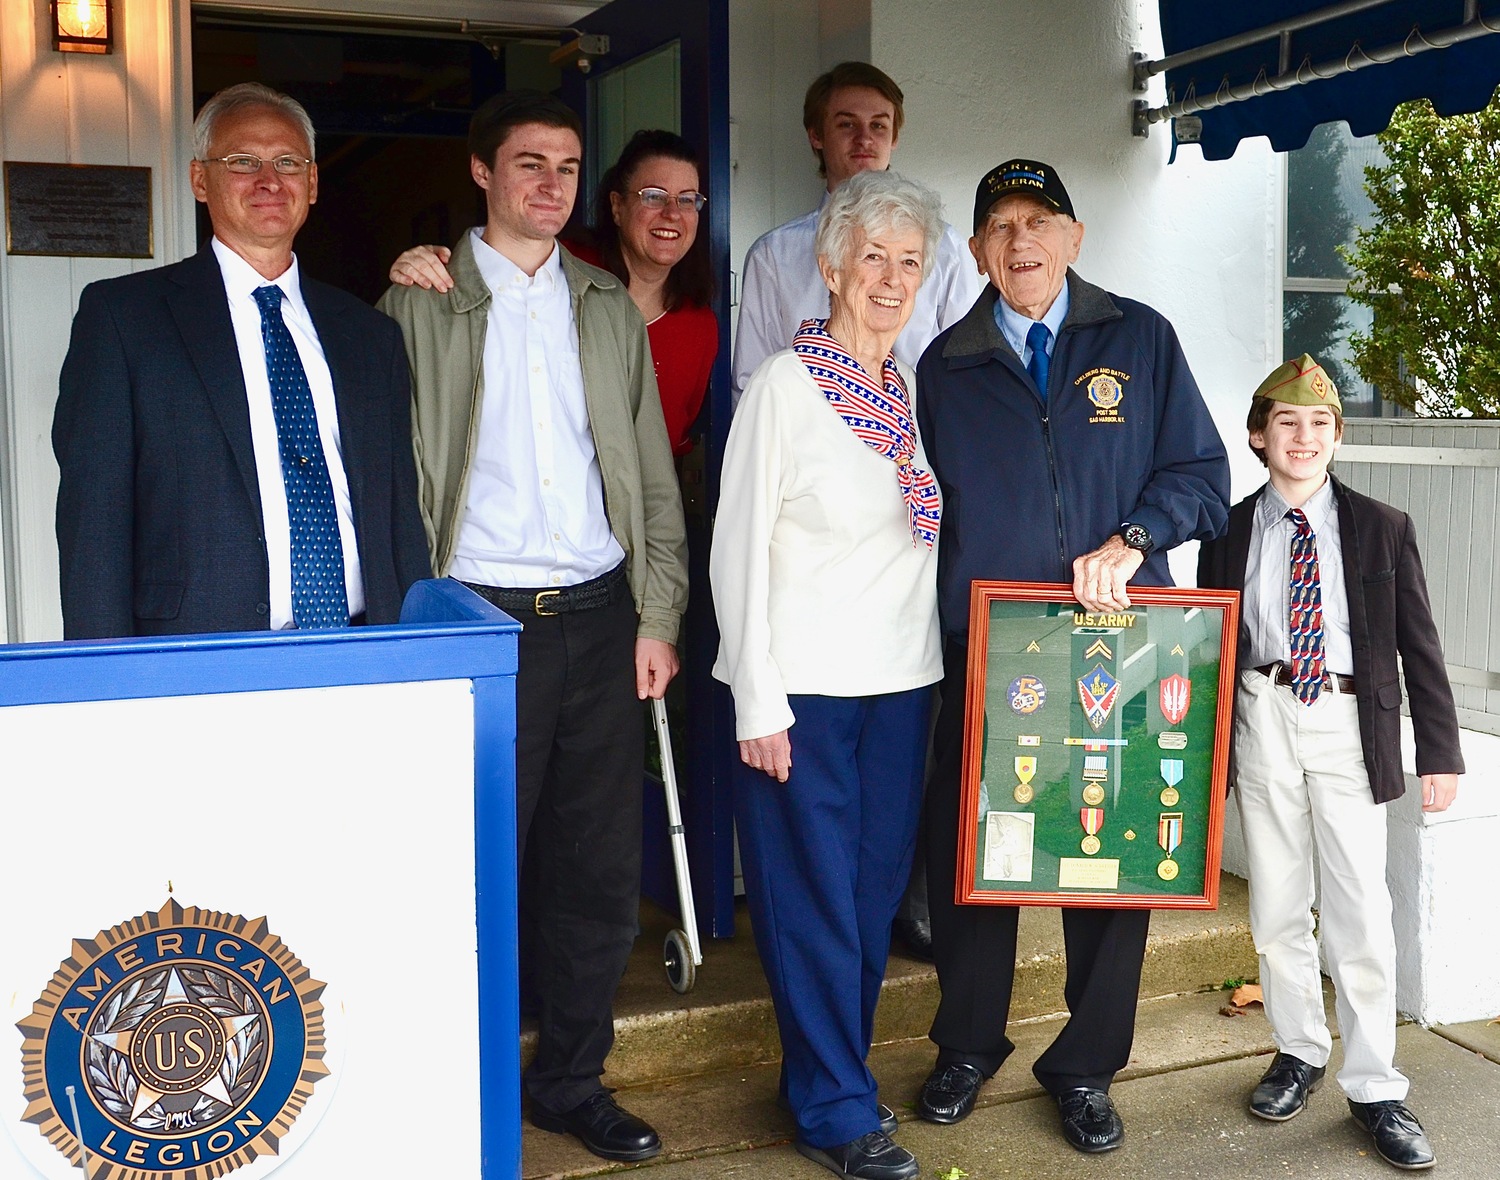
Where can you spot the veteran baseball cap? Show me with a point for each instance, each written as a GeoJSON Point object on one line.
{"type": "Point", "coordinates": [1029, 177]}
{"type": "Point", "coordinates": [1301, 382]}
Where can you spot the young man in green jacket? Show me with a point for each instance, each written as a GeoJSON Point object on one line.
{"type": "Point", "coordinates": [547, 487]}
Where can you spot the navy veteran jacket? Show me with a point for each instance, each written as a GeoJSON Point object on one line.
{"type": "Point", "coordinates": [1389, 615]}
{"type": "Point", "coordinates": [1030, 483]}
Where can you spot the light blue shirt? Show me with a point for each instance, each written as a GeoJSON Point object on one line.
{"type": "Point", "coordinates": [1014, 326]}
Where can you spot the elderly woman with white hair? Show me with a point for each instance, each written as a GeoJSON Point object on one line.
{"type": "Point", "coordinates": [824, 572]}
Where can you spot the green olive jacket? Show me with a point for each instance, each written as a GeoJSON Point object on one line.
{"type": "Point", "coordinates": [445, 343]}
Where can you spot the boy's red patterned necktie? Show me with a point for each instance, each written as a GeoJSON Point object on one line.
{"type": "Point", "coordinates": [1305, 626]}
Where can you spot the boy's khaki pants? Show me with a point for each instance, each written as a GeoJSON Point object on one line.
{"type": "Point", "coordinates": [1301, 788]}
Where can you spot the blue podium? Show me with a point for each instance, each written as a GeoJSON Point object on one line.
{"type": "Point", "coordinates": [258, 901]}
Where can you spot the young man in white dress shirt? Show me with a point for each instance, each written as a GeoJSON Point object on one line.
{"type": "Point", "coordinates": [548, 488]}
{"type": "Point", "coordinates": [853, 115]}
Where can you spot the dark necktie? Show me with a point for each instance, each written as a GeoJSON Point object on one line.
{"type": "Point", "coordinates": [1037, 340]}
{"type": "Point", "coordinates": [1305, 626]}
{"type": "Point", "coordinates": [318, 597]}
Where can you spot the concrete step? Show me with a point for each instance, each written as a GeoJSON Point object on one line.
{"type": "Point", "coordinates": [726, 1021]}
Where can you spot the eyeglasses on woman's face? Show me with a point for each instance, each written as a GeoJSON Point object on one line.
{"type": "Point", "coordinates": [659, 198]}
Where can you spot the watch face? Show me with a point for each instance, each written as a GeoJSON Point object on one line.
{"type": "Point", "coordinates": [1136, 536]}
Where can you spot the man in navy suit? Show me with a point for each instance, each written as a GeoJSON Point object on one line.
{"type": "Point", "coordinates": [234, 439]}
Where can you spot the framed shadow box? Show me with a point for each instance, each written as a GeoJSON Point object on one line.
{"type": "Point", "coordinates": [1096, 747]}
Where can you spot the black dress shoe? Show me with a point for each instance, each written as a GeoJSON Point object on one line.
{"type": "Point", "coordinates": [1284, 1088]}
{"type": "Point", "coordinates": [602, 1127]}
{"type": "Point", "coordinates": [1399, 1138]}
{"type": "Point", "coordinates": [884, 1113]}
{"type": "Point", "coordinates": [870, 1157]}
{"type": "Point", "coordinates": [1089, 1120]}
{"type": "Point", "coordinates": [948, 1093]}
{"type": "Point", "coordinates": [915, 934]}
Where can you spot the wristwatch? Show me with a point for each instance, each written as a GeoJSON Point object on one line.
{"type": "Point", "coordinates": [1135, 536]}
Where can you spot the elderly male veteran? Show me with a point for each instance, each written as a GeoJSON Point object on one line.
{"type": "Point", "coordinates": [548, 488]}
{"type": "Point", "coordinates": [234, 439]}
{"type": "Point", "coordinates": [1072, 445]}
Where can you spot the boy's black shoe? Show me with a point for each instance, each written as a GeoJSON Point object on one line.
{"type": "Point", "coordinates": [1283, 1090]}
{"type": "Point", "coordinates": [1089, 1120]}
{"type": "Point", "coordinates": [1399, 1138]}
{"type": "Point", "coordinates": [870, 1157]}
{"type": "Point", "coordinates": [603, 1127]}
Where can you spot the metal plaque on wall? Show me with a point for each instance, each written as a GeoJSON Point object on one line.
{"type": "Point", "coordinates": [77, 210]}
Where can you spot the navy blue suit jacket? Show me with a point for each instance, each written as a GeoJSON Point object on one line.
{"type": "Point", "coordinates": [158, 509]}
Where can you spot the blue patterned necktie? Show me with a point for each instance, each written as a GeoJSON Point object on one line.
{"type": "Point", "coordinates": [1037, 340]}
{"type": "Point", "coordinates": [318, 596]}
{"type": "Point", "coordinates": [1305, 626]}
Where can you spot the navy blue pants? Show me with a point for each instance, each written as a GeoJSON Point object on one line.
{"type": "Point", "coordinates": [826, 857]}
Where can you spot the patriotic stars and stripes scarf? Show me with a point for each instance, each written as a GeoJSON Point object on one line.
{"type": "Point", "coordinates": [879, 418]}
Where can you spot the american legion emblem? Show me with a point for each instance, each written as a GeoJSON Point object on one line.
{"type": "Point", "coordinates": [179, 1045]}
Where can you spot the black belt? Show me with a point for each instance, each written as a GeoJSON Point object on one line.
{"type": "Point", "coordinates": [562, 600]}
{"type": "Point", "coordinates": [1282, 674]}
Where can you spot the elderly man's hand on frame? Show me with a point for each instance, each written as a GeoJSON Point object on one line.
{"type": "Point", "coordinates": [1100, 577]}
{"type": "Point", "coordinates": [425, 267]}
{"type": "Point", "coordinates": [772, 753]}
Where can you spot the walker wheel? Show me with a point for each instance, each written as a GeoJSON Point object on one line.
{"type": "Point", "coordinates": [677, 958]}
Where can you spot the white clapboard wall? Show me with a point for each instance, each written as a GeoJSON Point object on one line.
{"type": "Point", "coordinates": [1446, 475]}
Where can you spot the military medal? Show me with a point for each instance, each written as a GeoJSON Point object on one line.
{"type": "Point", "coordinates": [1171, 771]}
{"type": "Point", "coordinates": [1092, 819]}
{"type": "Point", "coordinates": [1025, 771]}
{"type": "Point", "coordinates": [1093, 794]}
{"type": "Point", "coordinates": [1169, 836]}
{"type": "Point", "coordinates": [1095, 766]}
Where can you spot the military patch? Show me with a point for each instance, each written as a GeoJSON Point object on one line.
{"type": "Point", "coordinates": [1097, 692]}
{"type": "Point", "coordinates": [1106, 390]}
{"type": "Point", "coordinates": [1176, 696]}
{"type": "Point", "coordinates": [1026, 694]}
{"type": "Point", "coordinates": [189, 1040]}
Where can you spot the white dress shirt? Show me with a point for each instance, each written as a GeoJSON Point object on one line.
{"type": "Point", "coordinates": [1268, 582]}
{"type": "Point", "coordinates": [240, 283]}
{"type": "Point", "coordinates": [783, 287]}
{"type": "Point", "coordinates": [534, 514]}
{"type": "Point", "coordinates": [818, 586]}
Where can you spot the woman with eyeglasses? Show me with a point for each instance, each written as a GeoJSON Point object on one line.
{"type": "Point", "coordinates": [645, 233]}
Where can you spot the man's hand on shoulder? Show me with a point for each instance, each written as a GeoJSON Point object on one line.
{"type": "Point", "coordinates": [1100, 577]}
{"type": "Point", "coordinates": [655, 665]}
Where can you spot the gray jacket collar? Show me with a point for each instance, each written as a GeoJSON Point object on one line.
{"type": "Point", "coordinates": [977, 334]}
{"type": "Point", "coordinates": [470, 290]}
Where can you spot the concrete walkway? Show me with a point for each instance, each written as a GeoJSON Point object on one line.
{"type": "Point", "coordinates": [1182, 1098]}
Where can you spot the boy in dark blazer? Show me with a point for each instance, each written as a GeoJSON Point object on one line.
{"type": "Point", "coordinates": [1333, 592]}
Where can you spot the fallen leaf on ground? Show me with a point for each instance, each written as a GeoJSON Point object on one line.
{"type": "Point", "coordinates": [1247, 994]}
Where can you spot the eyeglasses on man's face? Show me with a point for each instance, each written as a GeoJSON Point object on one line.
{"type": "Point", "coordinates": [247, 165]}
{"type": "Point", "coordinates": [659, 198]}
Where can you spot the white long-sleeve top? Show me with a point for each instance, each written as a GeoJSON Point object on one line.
{"type": "Point", "coordinates": [783, 286]}
{"type": "Point", "coordinates": [818, 586]}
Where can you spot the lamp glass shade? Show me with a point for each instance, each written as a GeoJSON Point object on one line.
{"type": "Point", "coordinates": [81, 26]}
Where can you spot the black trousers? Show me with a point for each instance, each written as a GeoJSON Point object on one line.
{"type": "Point", "coordinates": [975, 946]}
{"type": "Point", "coordinates": [580, 751]}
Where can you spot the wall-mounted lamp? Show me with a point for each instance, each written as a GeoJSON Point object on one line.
{"type": "Point", "coordinates": [82, 26]}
